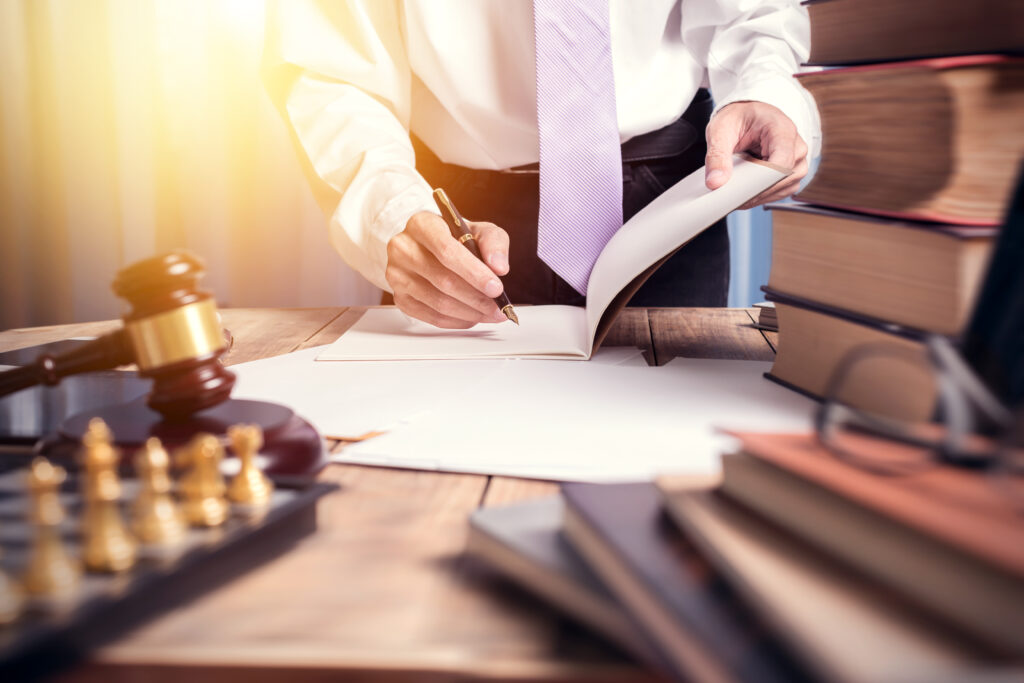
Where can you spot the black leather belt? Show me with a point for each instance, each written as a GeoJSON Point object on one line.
{"type": "Point", "coordinates": [664, 143]}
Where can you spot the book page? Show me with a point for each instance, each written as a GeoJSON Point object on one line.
{"type": "Point", "coordinates": [667, 223]}
{"type": "Point", "coordinates": [389, 334]}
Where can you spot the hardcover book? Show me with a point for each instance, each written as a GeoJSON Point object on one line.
{"type": "Point", "coordinates": [936, 139]}
{"type": "Point", "coordinates": [921, 275]}
{"type": "Point", "coordinates": [524, 541]}
{"type": "Point", "coordinates": [694, 618]}
{"type": "Point", "coordinates": [854, 31]}
{"type": "Point", "coordinates": [944, 537]}
{"type": "Point", "coordinates": [844, 626]}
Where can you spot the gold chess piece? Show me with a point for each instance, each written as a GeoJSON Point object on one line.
{"type": "Point", "coordinates": [250, 488]}
{"type": "Point", "coordinates": [202, 487]}
{"type": "Point", "coordinates": [156, 518]}
{"type": "Point", "coordinates": [50, 573]}
{"type": "Point", "coordinates": [106, 544]}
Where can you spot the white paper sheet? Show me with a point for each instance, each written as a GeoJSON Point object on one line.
{"type": "Point", "coordinates": [351, 399]}
{"type": "Point", "coordinates": [587, 422]}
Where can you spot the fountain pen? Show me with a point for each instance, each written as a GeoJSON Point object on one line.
{"type": "Point", "coordinates": [460, 231]}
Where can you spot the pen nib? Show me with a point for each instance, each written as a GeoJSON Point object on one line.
{"type": "Point", "coordinates": [510, 313]}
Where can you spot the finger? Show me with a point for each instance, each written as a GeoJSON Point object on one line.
{"type": "Point", "coordinates": [481, 309]}
{"type": "Point", "coordinates": [782, 148]}
{"type": "Point", "coordinates": [409, 261]}
{"type": "Point", "coordinates": [417, 309]}
{"type": "Point", "coordinates": [493, 243]}
{"type": "Point", "coordinates": [451, 285]}
{"type": "Point", "coordinates": [723, 134]}
{"type": "Point", "coordinates": [456, 258]}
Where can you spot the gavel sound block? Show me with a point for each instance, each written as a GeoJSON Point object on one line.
{"type": "Point", "coordinates": [173, 334]}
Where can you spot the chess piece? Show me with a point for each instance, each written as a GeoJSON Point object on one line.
{"type": "Point", "coordinates": [202, 487]}
{"type": "Point", "coordinates": [106, 544]}
{"type": "Point", "coordinates": [50, 574]}
{"type": "Point", "coordinates": [157, 521]}
{"type": "Point", "coordinates": [171, 331]}
{"type": "Point", "coordinates": [250, 489]}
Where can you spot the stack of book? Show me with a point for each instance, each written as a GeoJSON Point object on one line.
{"type": "Point", "coordinates": [918, 161]}
{"type": "Point", "coordinates": [793, 566]}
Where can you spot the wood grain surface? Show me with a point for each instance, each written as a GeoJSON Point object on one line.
{"type": "Point", "coordinates": [706, 333]}
{"type": "Point", "coordinates": [382, 591]}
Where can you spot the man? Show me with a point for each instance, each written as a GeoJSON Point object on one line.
{"type": "Point", "coordinates": [550, 119]}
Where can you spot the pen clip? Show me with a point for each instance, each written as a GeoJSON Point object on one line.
{"type": "Point", "coordinates": [445, 204]}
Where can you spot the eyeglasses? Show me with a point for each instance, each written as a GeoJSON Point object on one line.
{"type": "Point", "coordinates": [969, 427]}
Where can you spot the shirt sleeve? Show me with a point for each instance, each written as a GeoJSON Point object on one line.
{"type": "Point", "coordinates": [340, 74]}
{"type": "Point", "coordinates": [751, 49]}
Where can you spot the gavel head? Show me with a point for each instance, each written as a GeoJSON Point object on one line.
{"type": "Point", "coordinates": [175, 334]}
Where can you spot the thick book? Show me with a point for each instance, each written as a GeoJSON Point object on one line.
{"type": "Point", "coordinates": [842, 625]}
{"type": "Point", "coordinates": [686, 609]}
{"type": "Point", "coordinates": [935, 139]}
{"type": "Point", "coordinates": [524, 542]}
{"type": "Point", "coordinates": [857, 31]}
{"type": "Point", "coordinates": [573, 332]}
{"type": "Point", "coordinates": [945, 537]}
{"type": "Point", "coordinates": [921, 275]}
{"type": "Point", "coordinates": [814, 339]}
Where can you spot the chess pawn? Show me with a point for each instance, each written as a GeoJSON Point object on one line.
{"type": "Point", "coordinates": [106, 544]}
{"type": "Point", "coordinates": [250, 489]}
{"type": "Point", "coordinates": [157, 521]}
{"type": "Point", "coordinates": [50, 574]}
{"type": "Point", "coordinates": [202, 487]}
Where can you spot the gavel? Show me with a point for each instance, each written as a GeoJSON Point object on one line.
{"type": "Point", "coordinates": [171, 331]}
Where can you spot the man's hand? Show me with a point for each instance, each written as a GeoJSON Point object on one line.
{"type": "Point", "coordinates": [437, 280]}
{"type": "Point", "coordinates": [765, 132]}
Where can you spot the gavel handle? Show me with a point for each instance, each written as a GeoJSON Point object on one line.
{"type": "Point", "coordinates": [108, 351]}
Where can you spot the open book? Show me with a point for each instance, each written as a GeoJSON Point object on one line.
{"type": "Point", "coordinates": [569, 332]}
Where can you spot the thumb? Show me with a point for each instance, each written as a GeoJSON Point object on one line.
{"type": "Point", "coordinates": [493, 244]}
{"type": "Point", "coordinates": [723, 134]}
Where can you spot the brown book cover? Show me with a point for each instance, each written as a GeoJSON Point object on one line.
{"type": "Point", "coordinates": [956, 505]}
{"type": "Point", "coordinates": [853, 31]}
{"type": "Point", "coordinates": [934, 139]}
{"type": "Point", "coordinates": [944, 537]}
{"type": "Point", "coordinates": [814, 339]}
{"type": "Point", "coordinates": [877, 266]}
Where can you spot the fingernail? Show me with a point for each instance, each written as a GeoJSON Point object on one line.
{"type": "Point", "coordinates": [715, 176]}
{"type": "Point", "coordinates": [492, 288]}
{"type": "Point", "coordinates": [499, 261]}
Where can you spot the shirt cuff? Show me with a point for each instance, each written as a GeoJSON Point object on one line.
{"type": "Point", "coordinates": [392, 220]}
{"type": "Point", "coordinates": [786, 94]}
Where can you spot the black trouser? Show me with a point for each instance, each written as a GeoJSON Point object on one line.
{"type": "Point", "coordinates": [697, 275]}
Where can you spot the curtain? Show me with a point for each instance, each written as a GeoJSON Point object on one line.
{"type": "Point", "coordinates": [132, 127]}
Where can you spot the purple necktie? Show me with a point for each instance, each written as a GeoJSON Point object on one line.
{"type": "Point", "coordinates": [580, 157]}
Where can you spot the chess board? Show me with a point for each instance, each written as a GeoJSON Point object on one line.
{"type": "Point", "coordinates": [45, 637]}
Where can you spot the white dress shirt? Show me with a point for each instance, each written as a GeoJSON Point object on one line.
{"type": "Point", "coordinates": [460, 75]}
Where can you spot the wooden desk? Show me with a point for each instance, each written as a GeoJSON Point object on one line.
{"type": "Point", "coordinates": [381, 592]}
